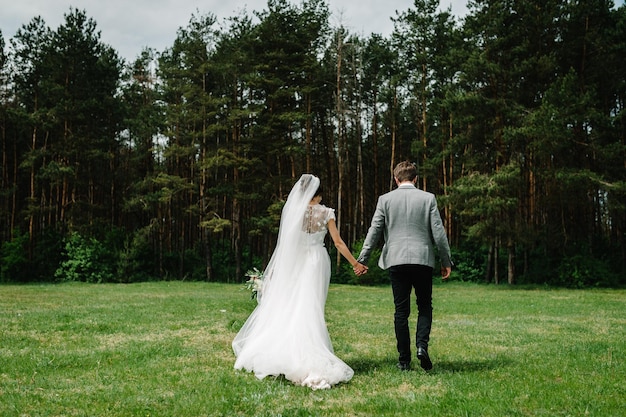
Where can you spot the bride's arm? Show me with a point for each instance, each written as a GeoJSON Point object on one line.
{"type": "Point", "coordinates": [341, 246]}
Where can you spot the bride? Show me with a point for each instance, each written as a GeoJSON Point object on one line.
{"type": "Point", "coordinates": [286, 333]}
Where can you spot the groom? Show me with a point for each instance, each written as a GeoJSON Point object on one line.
{"type": "Point", "coordinates": [411, 226]}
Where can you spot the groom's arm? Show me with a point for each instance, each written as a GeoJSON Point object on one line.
{"type": "Point", "coordinates": [373, 234]}
{"type": "Point", "coordinates": [440, 237]}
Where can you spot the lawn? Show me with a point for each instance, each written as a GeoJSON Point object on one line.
{"type": "Point", "coordinates": [163, 349]}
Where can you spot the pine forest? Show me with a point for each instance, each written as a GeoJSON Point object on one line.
{"type": "Point", "coordinates": [176, 166]}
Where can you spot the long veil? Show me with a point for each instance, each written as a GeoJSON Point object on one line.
{"type": "Point", "coordinates": [288, 249]}
{"type": "Point", "coordinates": [286, 333]}
{"type": "Point", "coordinates": [281, 271]}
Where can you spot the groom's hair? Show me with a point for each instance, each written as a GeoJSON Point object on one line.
{"type": "Point", "coordinates": [405, 171]}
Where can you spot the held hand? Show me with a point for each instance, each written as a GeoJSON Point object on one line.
{"type": "Point", "coordinates": [359, 269]}
{"type": "Point", "coordinates": [445, 272]}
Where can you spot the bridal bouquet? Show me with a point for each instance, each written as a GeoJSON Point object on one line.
{"type": "Point", "coordinates": [254, 284]}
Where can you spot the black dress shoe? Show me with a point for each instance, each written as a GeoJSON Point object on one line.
{"type": "Point", "coordinates": [404, 366]}
{"type": "Point", "coordinates": [422, 355]}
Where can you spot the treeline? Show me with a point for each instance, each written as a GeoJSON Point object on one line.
{"type": "Point", "coordinates": [175, 166]}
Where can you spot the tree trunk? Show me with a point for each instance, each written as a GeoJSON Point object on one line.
{"type": "Point", "coordinates": [511, 262]}
{"type": "Point", "coordinates": [31, 216]}
{"type": "Point", "coordinates": [308, 129]}
{"type": "Point", "coordinates": [392, 162]}
{"type": "Point", "coordinates": [237, 238]}
{"type": "Point", "coordinates": [424, 130]}
{"type": "Point", "coordinates": [208, 256]}
{"type": "Point", "coordinates": [340, 137]}
{"type": "Point", "coordinates": [360, 192]}
{"type": "Point", "coordinates": [447, 181]}
{"type": "Point", "coordinates": [489, 264]}
{"type": "Point", "coordinates": [377, 187]}
{"type": "Point", "coordinates": [496, 261]}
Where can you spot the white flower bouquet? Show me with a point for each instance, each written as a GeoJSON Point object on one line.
{"type": "Point", "coordinates": [254, 284]}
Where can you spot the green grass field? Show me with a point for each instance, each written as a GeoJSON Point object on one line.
{"type": "Point", "coordinates": [163, 349]}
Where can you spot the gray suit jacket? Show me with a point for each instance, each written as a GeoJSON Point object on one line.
{"type": "Point", "coordinates": [411, 225]}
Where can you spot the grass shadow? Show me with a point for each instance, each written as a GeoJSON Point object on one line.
{"type": "Point", "coordinates": [470, 366]}
{"type": "Point", "coordinates": [365, 365]}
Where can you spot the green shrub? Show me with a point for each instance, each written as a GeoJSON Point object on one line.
{"type": "Point", "coordinates": [14, 265]}
{"type": "Point", "coordinates": [135, 261]}
{"type": "Point", "coordinates": [583, 271]}
{"type": "Point", "coordinates": [469, 263]}
{"type": "Point", "coordinates": [86, 260]}
{"type": "Point", "coordinates": [47, 255]}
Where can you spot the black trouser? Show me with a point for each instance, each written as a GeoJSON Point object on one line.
{"type": "Point", "coordinates": [403, 279]}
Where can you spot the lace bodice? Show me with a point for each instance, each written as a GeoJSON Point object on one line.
{"type": "Point", "coordinates": [316, 219]}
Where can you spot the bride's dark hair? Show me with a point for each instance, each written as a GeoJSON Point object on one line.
{"type": "Point", "coordinates": [305, 180]}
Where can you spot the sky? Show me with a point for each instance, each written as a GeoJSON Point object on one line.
{"type": "Point", "coordinates": [131, 25]}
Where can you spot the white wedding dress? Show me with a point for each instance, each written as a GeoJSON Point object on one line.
{"type": "Point", "coordinates": [286, 334]}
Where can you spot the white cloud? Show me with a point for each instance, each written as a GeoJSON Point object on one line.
{"type": "Point", "coordinates": [130, 25]}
